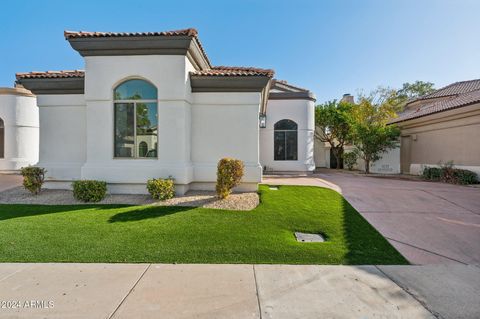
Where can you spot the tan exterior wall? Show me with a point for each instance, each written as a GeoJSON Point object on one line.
{"type": "Point", "coordinates": [447, 136]}
{"type": "Point", "coordinates": [321, 153]}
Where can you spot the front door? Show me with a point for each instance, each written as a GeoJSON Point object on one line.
{"type": "Point", "coordinates": [405, 154]}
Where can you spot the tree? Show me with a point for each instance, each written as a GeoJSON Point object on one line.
{"type": "Point", "coordinates": [332, 127]}
{"type": "Point", "coordinates": [416, 89]}
{"type": "Point", "coordinates": [410, 91]}
{"type": "Point", "coordinates": [369, 130]}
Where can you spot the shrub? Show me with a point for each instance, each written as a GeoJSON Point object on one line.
{"type": "Point", "coordinates": [432, 173]}
{"type": "Point", "coordinates": [33, 178]}
{"type": "Point", "coordinates": [89, 190]}
{"type": "Point", "coordinates": [465, 177]}
{"type": "Point", "coordinates": [229, 175]}
{"type": "Point", "coordinates": [350, 159]}
{"type": "Point", "coordinates": [161, 189]}
{"type": "Point", "coordinates": [448, 174]}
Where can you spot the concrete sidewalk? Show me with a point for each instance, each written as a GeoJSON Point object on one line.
{"type": "Point", "coordinates": [238, 291]}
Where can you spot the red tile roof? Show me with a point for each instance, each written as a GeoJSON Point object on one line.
{"type": "Point", "coordinates": [190, 32]}
{"type": "Point", "coordinates": [446, 104]}
{"type": "Point", "coordinates": [451, 89]}
{"type": "Point", "coordinates": [51, 74]}
{"type": "Point", "coordinates": [234, 71]}
{"type": "Point", "coordinates": [213, 71]}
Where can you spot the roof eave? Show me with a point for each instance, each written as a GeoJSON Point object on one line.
{"type": "Point", "coordinates": [142, 45]}
{"type": "Point", "coordinates": [218, 83]}
{"type": "Point", "coordinates": [432, 114]}
{"type": "Point", "coordinates": [292, 96]}
{"type": "Point", "coordinates": [72, 85]}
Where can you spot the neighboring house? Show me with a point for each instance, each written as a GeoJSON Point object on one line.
{"type": "Point", "coordinates": [18, 129]}
{"type": "Point", "coordinates": [440, 127]}
{"type": "Point", "coordinates": [151, 105]}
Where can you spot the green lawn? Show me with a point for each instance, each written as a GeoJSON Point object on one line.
{"type": "Point", "coordinates": [113, 233]}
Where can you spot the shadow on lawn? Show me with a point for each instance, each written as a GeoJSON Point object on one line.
{"type": "Point", "coordinates": [10, 211]}
{"type": "Point", "coordinates": [134, 213]}
{"type": "Point", "coordinates": [147, 213]}
{"type": "Point", "coordinates": [364, 242]}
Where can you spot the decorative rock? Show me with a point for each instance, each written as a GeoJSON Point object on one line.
{"type": "Point", "coordinates": [236, 201]}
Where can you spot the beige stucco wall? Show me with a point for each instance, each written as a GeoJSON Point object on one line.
{"type": "Point", "coordinates": [321, 154]}
{"type": "Point", "coordinates": [447, 136]}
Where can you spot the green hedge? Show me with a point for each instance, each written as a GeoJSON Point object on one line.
{"type": "Point", "coordinates": [448, 174]}
{"type": "Point", "coordinates": [89, 190]}
{"type": "Point", "coordinates": [432, 173]}
{"type": "Point", "coordinates": [161, 189]}
{"type": "Point", "coordinates": [465, 177]}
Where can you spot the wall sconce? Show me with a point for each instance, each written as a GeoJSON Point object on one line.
{"type": "Point", "coordinates": [263, 120]}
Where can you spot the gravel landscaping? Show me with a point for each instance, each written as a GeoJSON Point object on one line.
{"type": "Point", "coordinates": [236, 201]}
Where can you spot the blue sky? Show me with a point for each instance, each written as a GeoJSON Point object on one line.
{"type": "Point", "coordinates": [331, 47]}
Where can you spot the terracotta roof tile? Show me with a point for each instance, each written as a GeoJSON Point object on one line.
{"type": "Point", "coordinates": [234, 71]}
{"type": "Point", "coordinates": [190, 32]}
{"type": "Point", "coordinates": [51, 74]}
{"type": "Point", "coordinates": [451, 89]}
{"type": "Point", "coordinates": [440, 106]}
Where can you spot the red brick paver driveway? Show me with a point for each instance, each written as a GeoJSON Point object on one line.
{"type": "Point", "coordinates": [427, 222]}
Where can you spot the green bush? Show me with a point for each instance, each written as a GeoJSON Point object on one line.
{"type": "Point", "coordinates": [432, 173]}
{"type": "Point", "coordinates": [161, 189]}
{"type": "Point", "coordinates": [33, 178]}
{"type": "Point", "coordinates": [89, 190]}
{"type": "Point", "coordinates": [465, 177]}
{"type": "Point", "coordinates": [229, 175]}
{"type": "Point", "coordinates": [448, 174]}
{"type": "Point", "coordinates": [350, 159]}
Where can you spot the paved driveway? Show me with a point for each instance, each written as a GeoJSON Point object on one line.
{"type": "Point", "coordinates": [429, 223]}
{"type": "Point", "coordinates": [8, 181]}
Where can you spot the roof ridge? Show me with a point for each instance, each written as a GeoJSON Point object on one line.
{"type": "Point", "coordinates": [235, 71]}
{"type": "Point", "coordinates": [435, 94]}
{"type": "Point", "coordinates": [464, 81]}
{"type": "Point", "coordinates": [189, 32]}
{"type": "Point", "coordinates": [227, 67]}
{"type": "Point", "coordinates": [285, 82]}
{"type": "Point", "coordinates": [50, 74]}
{"type": "Point", "coordinates": [455, 101]}
{"type": "Point", "coordinates": [73, 34]}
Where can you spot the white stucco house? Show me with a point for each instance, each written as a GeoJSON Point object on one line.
{"type": "Point", "coordinates": [152, 105]}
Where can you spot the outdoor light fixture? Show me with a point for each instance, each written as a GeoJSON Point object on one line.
{"type": "Point", "coordinates": [263, 121]}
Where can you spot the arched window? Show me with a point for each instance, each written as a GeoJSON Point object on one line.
{"type": "Point", "coordinates": [285, 140]}
{"type": "Point", "coordinates": [136, 119]}
{"type": "Point", "coordinates": [2, 139]}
